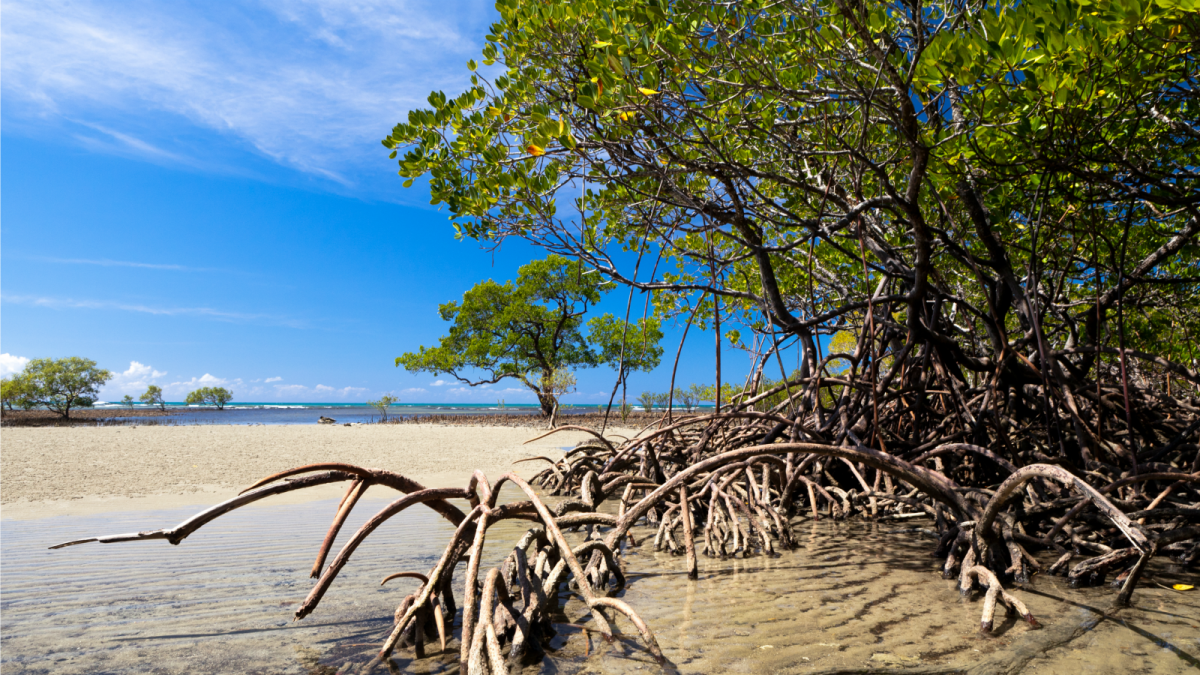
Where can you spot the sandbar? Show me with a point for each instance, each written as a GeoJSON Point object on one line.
{"type": "Point", "coordinates": [54, 471]}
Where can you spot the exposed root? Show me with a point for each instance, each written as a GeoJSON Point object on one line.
{"type": "Point", "coordinates": [732, 484]}
{"type": "Point", "coordinates": [988, 580]}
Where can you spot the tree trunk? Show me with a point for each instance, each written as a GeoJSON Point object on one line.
{"type": "Point", "coordinates": [548, 403]}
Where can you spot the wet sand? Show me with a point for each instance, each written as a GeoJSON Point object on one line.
{"type": "Point", "coordinates": [854, 597]}
{"type": "Point", "coordinates": [83, 470]}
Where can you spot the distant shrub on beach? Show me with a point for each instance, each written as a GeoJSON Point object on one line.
{"type": "Point", "coordinates": [217, 396]}
{"type": "Point", "coordinates": [18, 392]}
{"type": "Point", "coordinates": [60, 384]}
{"type": "Point", "coordinates": [382, 404]}
{"type": "Point", "coordinates": [648, 399]}
{"type": "Point", "coordinates": [154, 396]}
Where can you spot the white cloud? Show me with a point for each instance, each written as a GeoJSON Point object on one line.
{"type": "Point", "coordinates": [180, 389]}
{"type": "Point", "coordinates": [299, 392]}
{"type": "Point", "coordinates": [413, 390]}
{"type": "Point", "coordinates": [205, 380]}
{"type": "Point", "coordinates": [135, 380]}
{"type": "Point", "coordinates": [480, 395]}
{"type": "Point", "coordinates": [301, 82]}
{"type": "Point", "coordinates": [11, 365]}
{"type": "Point", "coordinates": [440, 383]}
{"type": "Point", "coordinates": [273, 379]}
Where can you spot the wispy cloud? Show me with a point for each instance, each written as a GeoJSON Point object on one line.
{"type": "Point", "coordinates": [104, 262]}
{"type": "Point", "coordinates": [129, 143]}
{"type": "Point", "coordinates": [299, 82]}
{"type": "Point", "coordinates": [203, 312]}
{"type": "Point", "coordinates": [273, 379]}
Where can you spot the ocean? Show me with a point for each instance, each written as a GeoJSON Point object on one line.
{"type": "Point", "coordinates": [309, 413]}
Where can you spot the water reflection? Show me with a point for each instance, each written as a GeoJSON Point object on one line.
{"type": "Point", "coordinates": [853, 596]}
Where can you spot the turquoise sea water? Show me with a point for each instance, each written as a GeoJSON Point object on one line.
{"type": "Point", "coordinates": [308, 413]}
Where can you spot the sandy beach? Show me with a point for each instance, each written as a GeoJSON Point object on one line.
{"type": "Point", "coordinates": [81, 470]}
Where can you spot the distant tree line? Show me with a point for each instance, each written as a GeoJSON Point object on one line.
{"type": "Point", "coordinates": [62, 385]}
{"type": "Point", "coordinates": [55, 384]}
{"type": "Point", "coordinates": [689, 398]}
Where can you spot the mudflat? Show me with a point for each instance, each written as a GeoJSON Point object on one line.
{"type": "Point", "coordinates": [77, 470]}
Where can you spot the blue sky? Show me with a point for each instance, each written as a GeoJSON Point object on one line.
{"type": "Point", "coordinates": [195, 193]}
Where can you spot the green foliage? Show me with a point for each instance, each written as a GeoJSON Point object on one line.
{"type": "Point", "coordinates": [525, 330]}
{"type": "Point", "coordinates": [707, 393]}
{"type": "Point", "coordinates": [217, 396]}
{"type": "Point", "coordinates": [558, 384]}
{"type": "Point", "coordinates": [843, 342]}
{"type": "Point", "coordinates": [18, 391]}
{"type": "Point", "coordinates": [127, 401]}
{"type": "Point", "coordinates": [154, 396]}
{"type": "Point", "coordinates": [648, 399]}
{"type": "Point", "coordinates": [8, 392]}
{"type": "Point", "coordinates": [62, 384]}
{"type": "Point", "coordinates": [627, 347]}
{"type": "Point", "coordinates": [624, 409]}
{"type": "Point", "coordinates": [809, 150]}
{"type": "Point", "coordinates": [382, 404]}
{"type": "Point", "coordinates": [689, 397]}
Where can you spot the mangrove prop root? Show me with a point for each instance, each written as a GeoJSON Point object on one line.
{"type": "Point", "coordinates": [733, 483]}
{"type": "Point", "coordinates": [995, 591]}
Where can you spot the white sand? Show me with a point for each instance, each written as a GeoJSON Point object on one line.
{"type": "Point", "coordinates": [67, 471]}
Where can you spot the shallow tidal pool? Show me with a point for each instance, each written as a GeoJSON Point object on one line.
{"type": "Point", "coordinates": [853, 597]}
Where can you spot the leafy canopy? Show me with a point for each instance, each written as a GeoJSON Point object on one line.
{"type": "Point", "coordinates": [799, 158]}
{"type": "Point", "coordinates": [383, 403]}
{"type": "Point", "coordinates": [154, 396]}
{"type": "Point", "coordinates": [626, 347]}
{"type": "Point", "coordinates": [525, 330]}
{"type": "Point", "coordinates": [62, 384]}
{"type": "Point", "coordinates": [18, 391]}
{"type": "Point", "coordinates": [531, 330]}
{"type": "Point", "coordinates": [218, 396]}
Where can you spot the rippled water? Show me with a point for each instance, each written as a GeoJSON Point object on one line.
{"type": "Point", "coordinates": [854, 597]}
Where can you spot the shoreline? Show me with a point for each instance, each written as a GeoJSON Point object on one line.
{"type": "Point", "coordinates": [297, 416]}
{"type": "Point", "coordinates": [57, 471]}
{"type": "Point", "coordinates": [79, 416]}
